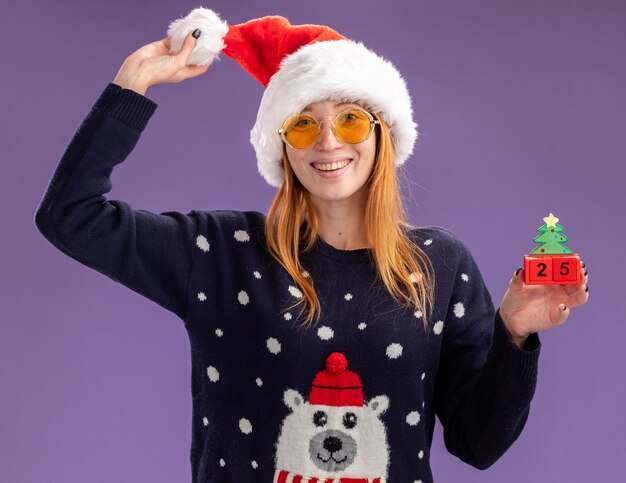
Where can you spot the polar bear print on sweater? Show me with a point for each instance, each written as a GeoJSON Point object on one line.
{"type": "Point", "coordinates": [336, 436]}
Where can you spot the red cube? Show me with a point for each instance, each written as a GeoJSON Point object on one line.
{"type": "Point", "coordinates": [566, 268]}
{"type": "Point", "coordinates": [537, 269]}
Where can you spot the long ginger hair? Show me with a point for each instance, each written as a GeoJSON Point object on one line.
{"type": "Point", "coordinates": [292, 228]}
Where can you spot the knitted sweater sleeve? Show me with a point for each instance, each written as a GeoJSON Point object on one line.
{"type": "Point", "coordinates": [149, 253]}
{"type": "Point", "coordinates": [485, 382]}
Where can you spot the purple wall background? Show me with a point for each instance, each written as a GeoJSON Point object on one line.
{"type": "Point", "coordinates": [521, 107]}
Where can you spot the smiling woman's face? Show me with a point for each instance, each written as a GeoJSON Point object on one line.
{"type": "Point", "coordinates": [332, 170]}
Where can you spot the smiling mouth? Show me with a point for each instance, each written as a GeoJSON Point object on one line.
{"type": "Point", "coordinates": [331, 166]}
{"type": "Point", "coordinates": [330, 458]}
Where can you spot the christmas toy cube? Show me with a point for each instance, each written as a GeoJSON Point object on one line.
{"type": "Point", "coordinates": [551, 269]}
{"type": "Point", "coordinates": [537, 269]}
{"type": "Point", "coordinates": [566, 268]}
{"type": "Point", "coordinates": [552, 262]}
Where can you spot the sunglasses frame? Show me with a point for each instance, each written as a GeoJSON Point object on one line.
{"type": "Point", "coordinates": [282, 131]}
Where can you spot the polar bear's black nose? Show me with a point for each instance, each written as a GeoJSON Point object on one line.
{"type": "Point", "coordinates": [332, 444]}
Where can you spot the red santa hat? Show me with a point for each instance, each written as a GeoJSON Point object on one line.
{"type": "Point", "coordinates": [300, 65]}
{"type": "Point", "coordinates": [336, 385]}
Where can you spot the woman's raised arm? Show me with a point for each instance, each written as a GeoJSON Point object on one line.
{"type": "Point", "coordinates": [148, 252]}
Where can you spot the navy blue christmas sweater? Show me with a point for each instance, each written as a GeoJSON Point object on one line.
{"type": "Point", "coordinates": [354, 398]}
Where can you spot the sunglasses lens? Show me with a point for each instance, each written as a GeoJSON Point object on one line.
{"type": "Point", "coordinates": [353, 126]}
{"type": "Point", "coordinates": [301, 131]}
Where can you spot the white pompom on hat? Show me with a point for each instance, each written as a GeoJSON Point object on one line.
{"type": "Point", "coordinates": [300, 65]}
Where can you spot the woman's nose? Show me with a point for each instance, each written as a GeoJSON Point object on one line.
{"type": "Point", "coordinates": [327, 140]}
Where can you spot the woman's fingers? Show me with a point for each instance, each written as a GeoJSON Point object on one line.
{"type": "Point", "coordinates": [517, 281]}
{"type": "Point", "coordinates": [578, 294]}
{"type": "Point", "coordinates": [562, 314]}
{"type": "Point", "coordinates": [191, 70]}
{"type": "Point", "coordinates": [195, 70]}
{"type": "Point", "coordinates": [186, 49]}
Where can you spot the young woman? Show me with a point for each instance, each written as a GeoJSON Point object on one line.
{"type": "Point", "coordinates": [327, 335]}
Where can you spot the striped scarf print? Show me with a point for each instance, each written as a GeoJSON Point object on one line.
{"type": "Point", "coordinates": [282, 476]}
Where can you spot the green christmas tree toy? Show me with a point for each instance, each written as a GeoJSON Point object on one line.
{"type": "Point", "coordinates": [551, 262]}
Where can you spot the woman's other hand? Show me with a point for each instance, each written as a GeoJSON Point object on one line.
{"type": "Point", "coordinates": [527, 309]}
{"type": "Point", "coordinates": [155, 64]}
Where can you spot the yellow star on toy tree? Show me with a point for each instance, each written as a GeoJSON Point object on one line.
{"type": "Point", "coordinates": [551, 220]}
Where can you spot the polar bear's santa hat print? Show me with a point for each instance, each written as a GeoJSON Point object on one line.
{"type": "Point", "coordinates": [335, 437]}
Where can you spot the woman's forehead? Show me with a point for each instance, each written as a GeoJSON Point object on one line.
{"type": "Point", "coordinates": [333, 104]}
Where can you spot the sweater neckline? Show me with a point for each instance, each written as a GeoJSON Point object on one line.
{"type": "Point", "coordinates": [360, 255]}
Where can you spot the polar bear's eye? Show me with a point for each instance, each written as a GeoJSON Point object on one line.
{"type": "Point", "coordinates": [320, 418]}
{"type": "Point", "coordinates": [349, 420]}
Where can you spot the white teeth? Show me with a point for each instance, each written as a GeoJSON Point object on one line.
{"type": "Point", "coordinates": [330, 166]}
